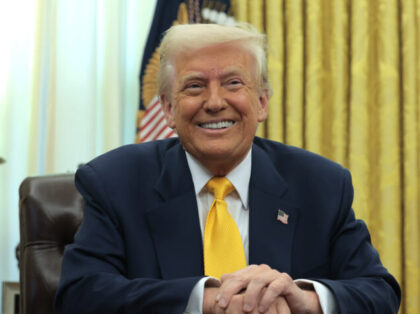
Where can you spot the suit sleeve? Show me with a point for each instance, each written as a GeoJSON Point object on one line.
{"type": "Point", "coordinates": [94, 275]}
{"type": "Point", "coordinates": [359, 281]}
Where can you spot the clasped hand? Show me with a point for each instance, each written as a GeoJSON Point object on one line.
{"type": "Point", "coordinates": [259, 289]}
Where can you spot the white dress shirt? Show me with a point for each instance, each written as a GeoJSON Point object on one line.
{"type": "Point", "coordinates": [237, 203]}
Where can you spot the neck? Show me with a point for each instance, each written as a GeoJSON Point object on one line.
{"type": "Point", "coordinates": [219, 167]}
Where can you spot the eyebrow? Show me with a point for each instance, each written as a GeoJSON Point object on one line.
{"type": "Point", "coordinates": [232, 71]}
{"type": "Point", "coordinates": [199, 76]}
{"type": "Point", "coordinates": [191, 76]}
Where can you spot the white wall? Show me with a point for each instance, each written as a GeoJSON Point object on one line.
{"type": "Point", "coordinates": [68, 92]}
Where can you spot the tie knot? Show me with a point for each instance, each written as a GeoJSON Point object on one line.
{"type": "Point", "coordinates": [220, 187]}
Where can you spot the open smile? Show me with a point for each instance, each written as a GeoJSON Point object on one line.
{"type": "Point", "coordinates": [217, 125]}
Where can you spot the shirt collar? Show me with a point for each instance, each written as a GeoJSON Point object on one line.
{"type": "Point", "coordinates": [239, 176]}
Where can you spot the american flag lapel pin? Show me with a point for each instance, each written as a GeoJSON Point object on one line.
{"type": "Point", "coordinates": [282, 217]}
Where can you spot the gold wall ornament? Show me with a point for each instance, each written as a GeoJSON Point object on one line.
{"type": "Point", "coordinates": [149, 87]}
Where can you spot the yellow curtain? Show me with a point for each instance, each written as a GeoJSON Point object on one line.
{"type": "Point", "coordinates": [346, 81]}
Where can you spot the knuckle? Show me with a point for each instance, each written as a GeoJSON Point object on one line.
{"type": "Point", "coordinates": [276, 285]}
{"type": "Point", "coordinates": [286, 277]}
{"type": "Point", "coordinates": [241, 281]}
{"type": "Point", "coordinates": [253, 267]}
{"type": "Point", "coordinates": [264, 267]}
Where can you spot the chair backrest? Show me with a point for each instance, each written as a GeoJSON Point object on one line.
{"type": "Point", "coordinates": [50, 212]}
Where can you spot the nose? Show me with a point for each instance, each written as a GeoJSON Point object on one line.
{"type": "Point", "coordinates": [215, 100]}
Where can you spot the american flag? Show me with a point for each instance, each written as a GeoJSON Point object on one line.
{"type": "Point", "coordinates": [282, 217]}
{"type": "Point", "coordinates": [153, 126]}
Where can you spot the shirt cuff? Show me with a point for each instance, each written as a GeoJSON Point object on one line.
{"type": "Point", "coordinates": [195, 301]}
{"type": "Point", "coordinates": [325, 295]}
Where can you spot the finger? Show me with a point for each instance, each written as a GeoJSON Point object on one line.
{"type": "Point", "coordinates": [255, 288]}
{"type": "Point", "coordinates": [218, 310]}
{"type": "Point", "coordinates": [235, 305]}
{"type": "Point", "coordinates": [279, 306]}
{"type": "Point", "coordinates": [225, 277]}
{"type": "Point", "coordinates": [240, 272]}
{"type": "Point", "coordinates": [256, 276]}
{"type": "Point", "coordinates": [271, 310]}
{"type": "Point", "coordinates": [282, 306]}
{"type": "Point", "coordinates": [280, 286]}
{"type": "Point", "coordinates": [230, 289]}
{"type": "Point", "coordinates": [234, 283]}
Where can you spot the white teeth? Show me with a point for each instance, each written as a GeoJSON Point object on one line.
{"type": "Point", "coordinates": [217, 125]}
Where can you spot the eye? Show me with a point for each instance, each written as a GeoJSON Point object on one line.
{"type": "Point", "coordinates": [234, 83]}
{"type": "Point", "coordinates": [193, 86]}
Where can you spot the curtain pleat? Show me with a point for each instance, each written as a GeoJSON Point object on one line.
{"type": "Point", "coordinates": [387, 152]}
{"type": "Point", "coordinates": [294, 72]}
{"type": "Point", "coordinates": [49, 100]}
{"type": "Point", "coordinates": [360, 98]}
{"type": "Point", "coordinates": [346, 82]}
{"type": "Point", "coordinates": [410, 111]}
{"type": "Point", "coordinates": [36, 87]}
{"type": "Point", "coordinates": [316, 100]}
{"type": "Point", "coordinates": [275, 58]}
{"type": "Point", "coordinates": [255, 17]}
{"type": "Point", "coordinates": [337, 67]}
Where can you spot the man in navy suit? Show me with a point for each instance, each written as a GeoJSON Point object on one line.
{"type": "Point", "coordinates": [140, 248]}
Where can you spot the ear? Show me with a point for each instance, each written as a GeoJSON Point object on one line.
{"type": "Point", "coordinates": [168, 110]}
{"type": "Point", "coordinates": [263, 105]}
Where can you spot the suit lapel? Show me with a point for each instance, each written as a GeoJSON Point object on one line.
{"type": "Point", "coordinates": [270, 241]}
{"type": "Point", "coordinates": [175, 224]}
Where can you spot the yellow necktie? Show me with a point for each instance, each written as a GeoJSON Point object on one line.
{"type": "Point", "coordinates": [223, 248]}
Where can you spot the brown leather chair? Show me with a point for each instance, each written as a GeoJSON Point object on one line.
{"type": "Point", "coordinates": [50, 212]}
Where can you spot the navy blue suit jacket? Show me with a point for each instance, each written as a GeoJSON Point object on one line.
{"type": "Point", "coordinates": [139, 248]}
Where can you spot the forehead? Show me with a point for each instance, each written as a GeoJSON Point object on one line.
{"type": "Point", "coordinates": [218, 59]}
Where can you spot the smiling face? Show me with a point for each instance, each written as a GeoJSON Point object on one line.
{"type": "Point", "coordinates": [216, 104]}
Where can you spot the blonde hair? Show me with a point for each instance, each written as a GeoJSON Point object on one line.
{"type": "Point", "coordinates": [189, 37]}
